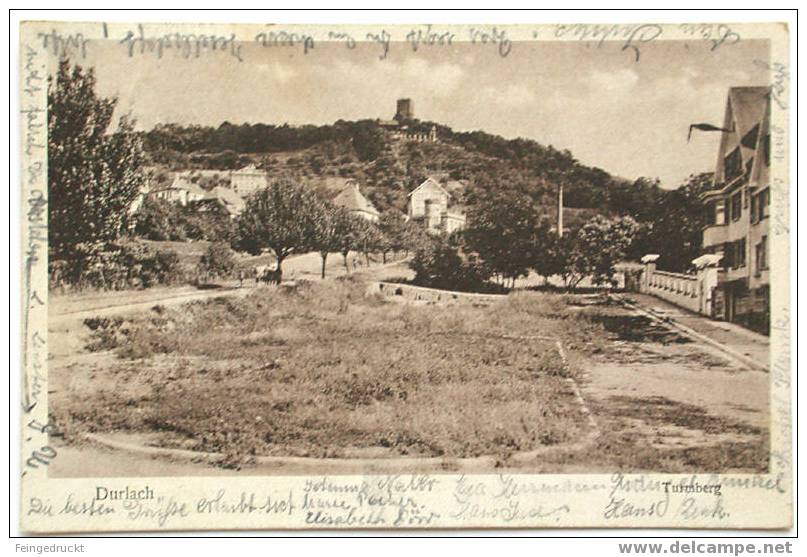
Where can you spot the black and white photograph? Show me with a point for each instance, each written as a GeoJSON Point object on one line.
{"type": "Point", "coordinates": [415, 261]}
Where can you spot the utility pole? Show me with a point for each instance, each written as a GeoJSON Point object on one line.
{"type": "Point", "coordinates": [560, 209]}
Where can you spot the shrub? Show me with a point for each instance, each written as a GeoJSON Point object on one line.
{"type": "Point", "coordinates": [127, 264]}
{"type": "Point", "coordinates": [440, 263]}
{"type": "Point", "coordinates": [219, 260]}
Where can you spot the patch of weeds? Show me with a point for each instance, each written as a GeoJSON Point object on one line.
{"type": "Point", "coordinates": [637, 328]}
{"type": "Point", "coordinates": [659, 411]}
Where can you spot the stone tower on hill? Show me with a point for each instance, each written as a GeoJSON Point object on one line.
{"type": "Point", "coordinates": [405, 110]}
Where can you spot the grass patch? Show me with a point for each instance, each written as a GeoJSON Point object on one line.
{"type": "Point", "coordinates": [321, 369]}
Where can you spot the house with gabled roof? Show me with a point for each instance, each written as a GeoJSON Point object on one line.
{"type": "Point", "coordinates": [352, 200]}
{"type": "Point", "coordinates": [429, 203]}
{"type": "Point", "coordinates": [246, 181]}
{"type": "Point", "coordinates": [181, 191]}
{"type": "Point", "coordinates": [737, 209]}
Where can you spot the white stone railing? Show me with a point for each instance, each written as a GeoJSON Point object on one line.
{"type": "Point", "coordinates": [678, 288]}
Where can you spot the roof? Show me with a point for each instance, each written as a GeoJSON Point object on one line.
{"type": "Point", "coordinates": [181, 182]}
{"type": "Point", "coordinates": [351, 199]}
{"type": "Point", "coordinates": [227, 197]}
{"type": "Point", "coordinates": [745, 109]}
{"type": "Point", "coordinates": [249, 169]}
{"type": "Point", "coordinates": [748, 106]}
{"type": "Point", "coordinates": [430, 182]}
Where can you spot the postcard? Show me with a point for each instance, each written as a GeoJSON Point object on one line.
{"type": "Point", "coordinates": [405, 276]}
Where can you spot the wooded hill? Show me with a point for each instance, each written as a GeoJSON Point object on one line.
{"type": "Point", "coordinates": [388, 168]}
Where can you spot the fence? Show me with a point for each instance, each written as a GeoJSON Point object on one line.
{"type": "Point", "coordinates": [677, 288]}
{"type": "Point", "coordinates": [407, 292]}
{"type": "Point", "coordinates": [695, 292]}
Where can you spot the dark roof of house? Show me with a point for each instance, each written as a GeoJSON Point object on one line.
{"type": "Point", "coordinates": [748, 106]}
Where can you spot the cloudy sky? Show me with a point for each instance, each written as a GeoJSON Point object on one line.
{"type": "Point", "coordinates": [629, 118]}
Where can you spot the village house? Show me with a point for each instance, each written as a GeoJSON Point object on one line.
{"type": "Point", "coordinates": [247, 180]}
{"type": "Point", "coordinates": [737, 209]}
{"type": "Point", "coordinates": [181, 191]}
{"type": "Point", "coordinates": [429, 203]}
{"type": "Point", "coordinates": [352, 200]}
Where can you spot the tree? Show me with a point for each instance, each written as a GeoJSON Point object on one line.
{"type": "Point", "coordinates": [218, 260]}
{"type": "Point", "coordinates": [369, 238]}
{"type": "Point", "coordinates": [441, 262]}
{"type": "Point", "coordinates": [367, 140]}
{"type": "Point", "coordinates": [392, 229]}
{"type": "Point", "coordinates": [93, 176]}
{"type": "Point", "coordinates": [157, 219]}
{"type": "Point", "coordinates": [282, 218]}
{"type": "Point", "coordinates": [595, 250]}
{"type": "Point", "coordinates": [675, 231]}
{"type": "Point", "coordinates": [331, 226]}
{"type": "Point", "coordinates": [506, 230]}
{"type": "Point", "coordinates": [349, 231]}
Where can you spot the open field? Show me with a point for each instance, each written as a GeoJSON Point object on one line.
{"type": "Point", "coordinates": [322, 370]}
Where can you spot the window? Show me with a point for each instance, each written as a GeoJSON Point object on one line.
{"type": "Point", "coordinates": [740, 247]}
{"type": "Point", "coordinates": [728, 254]}
{"type": "Point", "coordinates": [709, 213]}
{"type": "Point", "coordinates": [750, 139]}
{"type": "Point", "coordinates": [734, 254]}
{"type": "Point", "coordinates": [733, 165]}
{"type": "Point", "coordinates": [764, 203]}
{"type": "Point", "coordinates": [720, 211]}
{"type": "Point", "coordinates": [754, 208]}
{"type": "Point", "coordinates": [736, 206]}
{"type": "Point", "coordinates": [762, 255]}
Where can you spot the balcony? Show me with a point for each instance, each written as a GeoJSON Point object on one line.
{"type": "Point", "coordinates": [715, 234]}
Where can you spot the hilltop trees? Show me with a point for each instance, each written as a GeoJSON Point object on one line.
{"type": "Point", "coordinates": [283, 218]}
{"type": "Point", "coordinates": [93, 176]}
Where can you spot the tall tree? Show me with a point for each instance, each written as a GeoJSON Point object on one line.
{"type": "Point", "coordinates": [392, 229]}
{"type": "Point", "coordinates": [331, 227]}
{"type": "Point", "coordinates": [595, 250]}
{"type": "Point", "coordinates": [282, 218]}
{"type": "Point", "coordinates": [94, 176]}
{"type": "Point", "coordinates": [349, 229]}
{"type": "Point", "coordinates": [676, 229]}
{"type": "Point", "coordinates": [505, 229]}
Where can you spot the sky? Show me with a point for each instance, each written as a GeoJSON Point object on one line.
{"type": "Point", "coordinates": [629, 118]}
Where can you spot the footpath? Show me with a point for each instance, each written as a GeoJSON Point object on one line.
{"type": "Point", "coordinates": [66, 309]}
{"type": "Point", "coordinates": [748, 346]}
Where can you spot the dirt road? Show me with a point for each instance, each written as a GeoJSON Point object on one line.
{"type": "Point", "coordinates": [306, 266]}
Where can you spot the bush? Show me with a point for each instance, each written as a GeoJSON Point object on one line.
{"type": "Point", "coordinates": [162, 220]}
{"type": "Point", "coordinates": [219, 260]}
{"type": "Point", "coordinates": [127, 264]}
{"type": "Point", "coordinates": [440, 263]}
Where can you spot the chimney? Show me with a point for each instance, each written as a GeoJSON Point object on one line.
{"type": "Point", "coordinates": [560, 210]}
